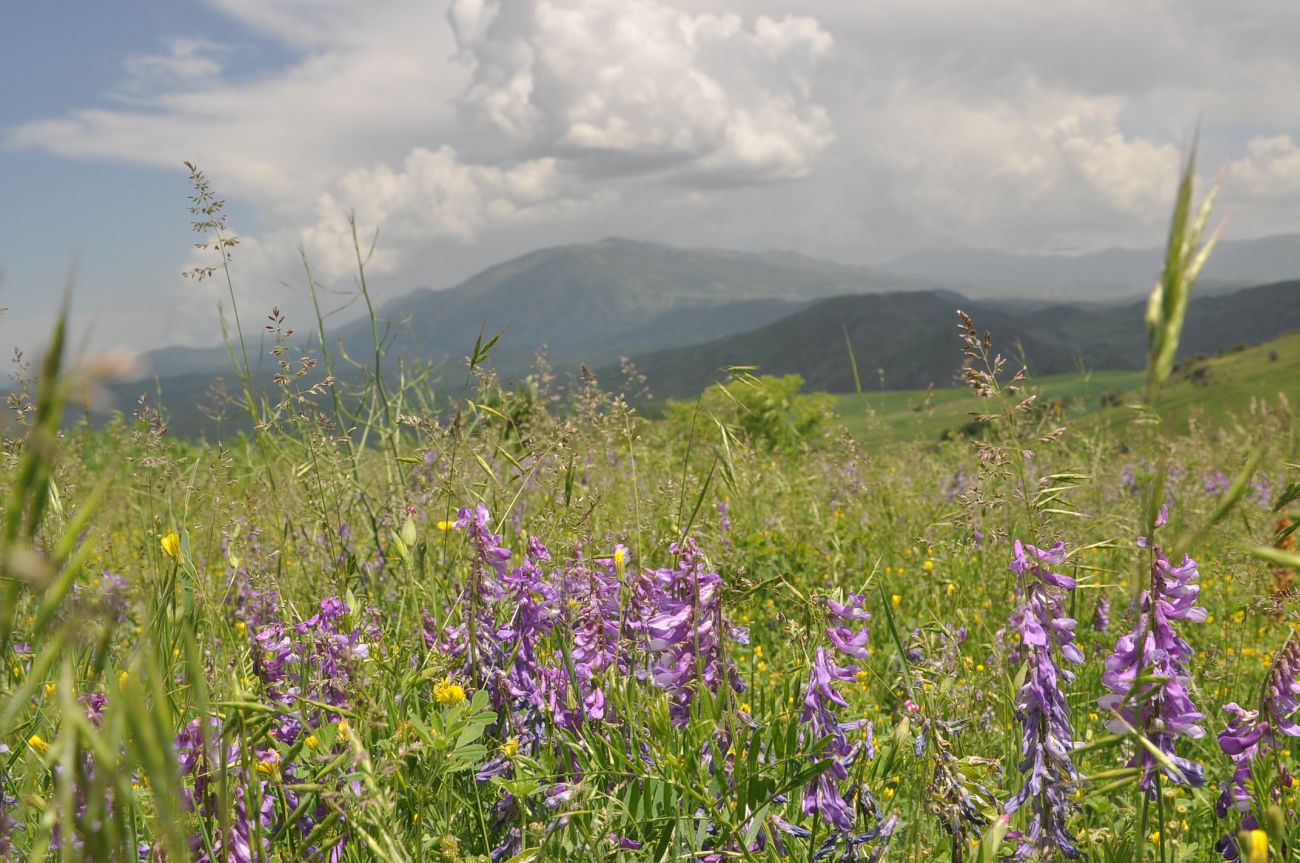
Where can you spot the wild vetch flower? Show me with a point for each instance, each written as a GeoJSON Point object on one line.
{"type": "Point", "coordinates": [1282, 690]}
{"type": "Point", "coordinates": [476, 637]}
{"type": "Point", "coordinates": [254, 813]}
{"type": "Point", "coordinates": [1161, 708]}
{"type": "Point", "coordinates": [1101, 614]}
{"type": "Point", "coordinates": [1240, 740]}
{"type": "Point", "coordinates": [849, 635]}
{"type": "Point", "coordinates": [1250, 734]}
{"type": "Point", "coordinates": [687, 630]}
{"type": "Point", "coordinates": [1048, 735]}
{"type": "Point", "coordinates": [1128, 477]}
{"type": "Point", "coordinates": [1217, 482]}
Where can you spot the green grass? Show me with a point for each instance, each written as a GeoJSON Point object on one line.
{"type": "Point", "coordinates": [644, 639]}
{"type": "Point", "coordinates": [894, 416]}
{"type": "Point", "coordinates": [1216, 390]}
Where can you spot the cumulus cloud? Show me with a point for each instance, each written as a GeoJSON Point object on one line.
{"type": "Point", "coordinates": [433, 194]}
{"type": "Point", "coordinates": [628, 87]}
{"type": "Point", "coordinates": [477, 128]}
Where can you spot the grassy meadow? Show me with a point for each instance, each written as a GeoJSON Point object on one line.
{"type": "Point", "coordinates": [531, 624]}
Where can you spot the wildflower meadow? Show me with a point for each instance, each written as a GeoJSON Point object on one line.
{"type": "Point", "coordinates": [402, 617]}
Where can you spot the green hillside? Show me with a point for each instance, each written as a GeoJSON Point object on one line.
{"type": "Point", "coordinates": [1217, 389]}
{"type": "Point", "coordinates": [911, 337]}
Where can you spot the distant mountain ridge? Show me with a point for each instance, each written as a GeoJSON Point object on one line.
{"type": "Point", "coordinates": [592, 303]}
{"type": "Point", "coordinates": [683, 313]}
{"type": "Point", "coordinates": [911, 338]}
{"type": "Point", "coordinates": [1103, 274]}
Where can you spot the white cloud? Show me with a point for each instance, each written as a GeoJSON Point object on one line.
{"type": "Point", "coordinates": [434, 195]}
{"type": "Point", "coordinates": [472, 129]}
{"type": "Point", "coordinates": [1268, 172]}
{"type": "Point", "coordinates": [187, 63]}
{"type": "Point", "coordinates": [627, 87]}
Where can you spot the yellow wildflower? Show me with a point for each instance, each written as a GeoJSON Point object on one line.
{"type": "Point", "coordinates": [312, 741]}
{"type": "Point", "coordinates": [447, 692]}
{"type": "Point", "coordinates": [1255, 845]}
{"type": "Point", "coordinates": [896, 600]}
{"type": "Point", "coordinates": [171, 545]}
{"type": "Point", "coordinates": [510, 747]}
{"type": "Point", "coordinates": [271, 765]}
{"type": "Point", "coordinates": [445, 526]}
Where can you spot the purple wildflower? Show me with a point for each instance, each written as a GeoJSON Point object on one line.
{"type": "Point", "coordinates": [1048, 736]}
{"type": "Point", "coordinates": [487, 571]}
{"type": "Point", "coordinates": [1161, 708]}
{"type": "Point", "coordinates": [849, 634]}
{"type": "Point", "coordinates": [687, 632]}
{"type": "Point", "coordinates": [1101, 614]}
{"type": "Point", "coordinates": [1250, 734]}
{"type": "Point", "coordinates": [1216, 482]}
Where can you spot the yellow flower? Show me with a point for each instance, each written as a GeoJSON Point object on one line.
{"type": "Point", "coordinates": [896, 600]}
{"type": "Point", "coordinates": [928, 566]}
{"type": "Point", "coordinates": [1255, 844]}
{"type": "Point", "coordinates": [270, 766]}
{"type": "Point", "coordinates": [50, 689]}
{"type": "Point", "coordinates": [122, 680]}
{"type": "Point", "coordinates": [38, 744]}
{"type": "Point", "coordinates": [620, 557]}
{"type": "Point", "coordinates": [312, 741]}
{"type": "Point", "coordinates": [241, 627]}
{"type": "Point", "coordinates": [171, 545]}
{"type": "Point", "coordinates": [447, 692]}
{"type": "Point", "coordinates": [1155, 836]}
{"type": "Point", "coordinates": [510, 747]}
{"type": "Point", "coordinates": [445, 526]}
{"type": "Point", "coordinates": [344, 730]}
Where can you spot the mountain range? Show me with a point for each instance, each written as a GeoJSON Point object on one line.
{"type": "Point", "coordinates": [911, 339]}
{"type": "Point", "coordinates": [683, 313]}
{"type": "Point", "coordinates": [1106, 274]}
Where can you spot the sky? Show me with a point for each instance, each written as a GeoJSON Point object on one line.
{"type": "Point", "coordinates": [465, 132]}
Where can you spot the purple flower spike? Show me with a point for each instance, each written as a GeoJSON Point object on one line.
{"type": "Point", "coordinates": [1161, 709]}
{"type": "Point", "coordinates": [824, 797]}
{"type": "Point", "coordinates": [1048, 736]}
{"type": "Point", "coordinates": [686, 631]}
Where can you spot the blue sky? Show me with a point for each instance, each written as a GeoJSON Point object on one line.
{"type": "Point", "coordinates": [467, 131]}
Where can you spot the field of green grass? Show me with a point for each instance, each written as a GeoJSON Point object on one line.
{"type": "Point", "coordinates": [1216, 390]}
{"type": "Point", "coordinates": [533, 625]}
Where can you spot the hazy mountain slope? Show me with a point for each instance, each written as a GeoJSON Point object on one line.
{"type": "Point", "coordinates": [1107, 273]}
{"type": "Point", "coordinates": [592, 302]}
{"type": "Point", "coordinates": [912, 337]}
